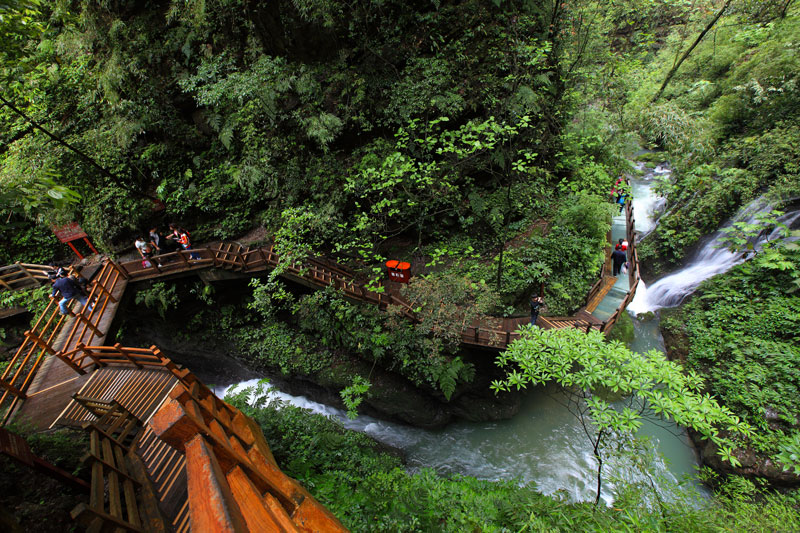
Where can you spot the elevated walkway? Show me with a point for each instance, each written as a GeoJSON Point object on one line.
{"type": "Point", "coordinates": [166, 453]}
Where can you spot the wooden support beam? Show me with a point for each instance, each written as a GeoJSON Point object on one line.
{"type": "Point", "coordinates": [85, 515]}
{"type": "Point", "coordinates": [105, 291]}
{"type": "Point", "coordinates": [90, 353]}
{"type": "Point", "coordinates": [13, 390]}
{"type": "Point", "coordinates": [88, 322]}
{"type": "Point", "coordinates": [211, 502]}
{"type": "Point", "coordinates": [26, 272]}
{"type": "Point", "coordinates": [176, 424]}
{"type": "Point", "coordinates": [70, 363]}
{"type": "Point", "coordinates": [257, 515]}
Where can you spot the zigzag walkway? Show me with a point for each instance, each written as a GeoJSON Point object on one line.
{"type": "Point", "coordinates": [61, 338]}
{"type": "Point", "coordinates": [166, 454]}
{"type": "Point", "coordinates": [488, 332]}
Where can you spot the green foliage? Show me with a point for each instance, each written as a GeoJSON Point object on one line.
{"type": "Point", "coordinates": [353, 395]}
{"type": "Point", "coordinates": [64, 448]}
{"type": "Point", "coordinates": [613, 387]}
{"type": "Point", "coordinates": [34, 300]}
{"type": "Point", "coordinates": [623, 330]}
{"type": "Point", "coordinates": [269, 297]}
{"type": "Point", "coordinates": [564, 260]}
{"type": "Point", "coordinates": [273, 344]}
{"type": "Point", "coordinates": [729, 125]}
{"type": "Point", "coordinates": [159, 297]}
{"type": "Point", "coordinates": [368, 490]}
{"type": "Point", "coordinates": [741, 329]}
{"type": "Point", "coordinates": [789, 455]}
{"type": "Point", "coordinates": [588, 216]}
{"type": "Point", "coordinates": [741, 236]}
{"type": "Point", "coordinates": [422, 353]}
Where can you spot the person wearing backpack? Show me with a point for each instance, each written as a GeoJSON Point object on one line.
{"type": "Point", "coordinates": [69, 290]}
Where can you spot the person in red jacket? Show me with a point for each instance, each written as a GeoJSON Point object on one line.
{"type": "Point", "coordinates": [181, 236]}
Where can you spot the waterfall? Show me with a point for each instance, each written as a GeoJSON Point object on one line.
{"type": "Point", "coordinates": [711, 259]}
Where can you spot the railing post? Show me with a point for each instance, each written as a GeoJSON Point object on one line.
{"type": "Point", "coordinates": [126, 355]}
{"type": "Point", "coordinates": [87, 352]}
{"type": "Point", "coordinates": [39, 342]}
{"type": "Point", "coordinates": [105, 291]}
{"type": "Point", "coordinates": [26, 272]}
{"type": "Point", "coordinates": [70, 363]}
{"type": "Point", "coordinates": [183, 258]}
{"type": "Point", "coordinates": [4, 284]}
{"type": "Point", "coordinates": [122, 269]}
{"type": "Point", "coordinates": [83, 318]}
{"type": "Point", "coordinates": [13, 390]}
{"type": "Point", "coordinates": [263, 256]}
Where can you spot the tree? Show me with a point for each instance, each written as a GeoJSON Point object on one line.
{"type": "Point", "coordinates": [611, 389]}
{"type": "Point", "coordinates": [688, 51]}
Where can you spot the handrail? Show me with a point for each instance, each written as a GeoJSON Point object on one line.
{"type": "Point", "coordinates": [633, 273]}
{"type": "Point", "coordinates": [41, 339]}
{"type": "Point", "coordinates": [22, 275]}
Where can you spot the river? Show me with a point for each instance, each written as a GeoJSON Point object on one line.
{"type": "Point", "coordinates": [544, 443]}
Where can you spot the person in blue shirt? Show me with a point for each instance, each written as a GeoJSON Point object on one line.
{"type": "Point", "coordinates": [70, 290]}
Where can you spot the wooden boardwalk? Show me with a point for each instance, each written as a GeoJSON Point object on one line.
{"type": "Point", "coordinates": [166, 453]}
{"type": "Point", "coordinates": [605, 286]}
{"type": "Point", "coordinates": [41, 373]}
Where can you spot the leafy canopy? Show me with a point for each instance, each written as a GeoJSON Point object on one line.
{"type": "Point", "coordinates": [603, 371]}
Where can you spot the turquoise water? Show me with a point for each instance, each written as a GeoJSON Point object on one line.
{"type": "Point", "coordinates": [544, 443]}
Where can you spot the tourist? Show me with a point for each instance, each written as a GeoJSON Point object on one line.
{"type": "Point", "coordinates": [618, 258]}
{"type": "Point", "coordinates": [536, 304]}
{"type": "Point", "coordinates": [621, 245]}
{"type": "Point", "coordinates": [181, 236]}
{"type": "Point", "coordinates": [70, 290]}
{"type": "Point", "coordinates": [145, 250]}
{"type": "Point", "coordinates": [622, 197]}
{"type": "Point", "coordinates": [162, 245]}
{"type": "Point", "coordinates": [156, 240]}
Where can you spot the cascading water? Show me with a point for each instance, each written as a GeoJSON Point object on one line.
{"type": "Point", "coordinates": [544, 443]}
{"type": "Point", "coordinates": [711, 259]}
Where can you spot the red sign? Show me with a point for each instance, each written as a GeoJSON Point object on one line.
{"type": "Point", "coordinates": [69, 232]}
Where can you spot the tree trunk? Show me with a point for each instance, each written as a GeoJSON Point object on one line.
{"type": "Point", "coordinates": [677, 65]}
{"type": "Point", "coordinates": [599, 458]}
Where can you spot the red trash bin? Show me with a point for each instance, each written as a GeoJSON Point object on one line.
{"type": "Point", "coordinates": [404, 271]}
{"type": "Point", "coordinates": [399, 272]}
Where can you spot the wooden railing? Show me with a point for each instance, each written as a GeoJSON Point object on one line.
{"type": "Point", "coordinates": [121, 497]}
{"type": "Point", "coordinates": [22, 275]}
{"type": "Point", "coordinates": [233, 481]}
{"type": "Point", "coordinates": [22, 367]}
{"type": "Point", "coordinates": [85, 356]}
{"type": "Point", "coordinates": [633, 271]}
{"type": "Point", "coordinates": [49, 336]}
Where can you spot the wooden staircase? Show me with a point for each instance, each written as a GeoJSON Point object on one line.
{"type": "Point", "coordinates": [121, 496]}
{"type": "Point", "coordinates": [48, 345]}
{"type": "Point", "coordinates": [233, 482]}
{"type": "Point", "coordinates": [23, 276]}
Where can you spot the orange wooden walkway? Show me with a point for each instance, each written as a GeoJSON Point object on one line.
{"type": "Point", "coordinates": [191, 447]}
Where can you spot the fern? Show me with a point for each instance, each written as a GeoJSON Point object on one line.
{"type": "Point", "coordinates": [457, 370]}
{"type": "Point", "coordinates": [158, 297]}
